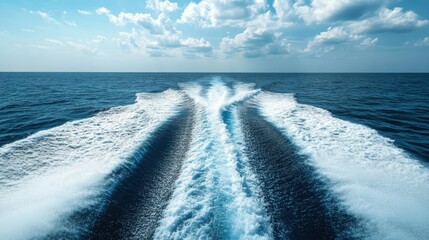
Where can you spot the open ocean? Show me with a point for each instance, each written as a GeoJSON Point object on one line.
{"type": "Point", "coordinates": [214, 156]}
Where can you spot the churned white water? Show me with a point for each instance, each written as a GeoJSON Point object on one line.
{"type": "Point", "coordinates": [375, 180]}
{"type": "Point", "coordinates": [55, 172]}
{"type": "Point", "coordinates": [211, 196]}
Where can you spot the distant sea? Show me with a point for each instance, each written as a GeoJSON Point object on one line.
{"type": "Point", "coordinates": [214, 156]}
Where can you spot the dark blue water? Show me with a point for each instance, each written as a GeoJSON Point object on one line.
{"type": "Point", "coordinates": [396, 105]}
{"type": "Point", "coordinates": [214, 156]}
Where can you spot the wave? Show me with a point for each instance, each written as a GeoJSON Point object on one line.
{"type": "Point", "coordinates": [216, 195]}
{"type": "Point", "coordinates": [219, 162]}
{"type": "Point", "coordinates": [374, 179]}
{"type": "Point", "coordinates": [135, 206]}
{"type": "Point", "coordinates": [50, 175]}
{"type": "Point", "coordinates": [299, 202]}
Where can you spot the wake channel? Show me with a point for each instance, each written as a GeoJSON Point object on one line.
{"type": "Point", "coordinates": [216, 195]}
{"type": "Point", "coordinates": [53, 182]}
{"type": "Point", "coordinates": [299, 203]}
{"type": "Point", "coordinates": [374, 179]}
{"type": "Point", "coordinates": [136, 204]}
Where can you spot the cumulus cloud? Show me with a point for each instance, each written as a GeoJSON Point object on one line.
{"type": "Point", "coordinates": [157, 36]}
{"type": "Point", "coordinates": [261, 37]}
{"type": "Point", "coordinates": [325, 41]}
{"type": "Point", "coordinates": [102, 10]}
{"type": "Point", "coordinates": [173, 45]}
{"type": "Point", "coordinates": [255, 42]}
{"type": "Point", "coordinates": [360, 16]}
{"type": "Point", "coordinates": [127, 40]}
{"type": "Point", "coordinates": [284, 9]}
{"type": "Point", "coordinates": [389, 20]}
{"type": "Point", "coordinates": [356, 28]}
{"type": "Point", "coordinates": [262, 27]}
{"type": "Point", "coordinates": [162, 6]}
{"type": "Point", "coordinates": [215, 13]}
{"type": "Point", "coordinates": [165, 45]}
{"type": "Point", "coordinates": [335, 10]}
{"type": "Point", "coordinates": [145, 20]}
{"type": "Point", "coordinates": [194, 47]}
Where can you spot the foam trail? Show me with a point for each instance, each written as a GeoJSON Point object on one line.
{"type": "Point", "coordinates": [374, 179]}
{"type": "Point", "coordinates": [216, 194]}
{"type": "Point", "coordinates": [56, 172]}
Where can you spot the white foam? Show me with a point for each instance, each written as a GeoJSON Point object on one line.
{"type": "Point", "coordinates": [210, 191]}
{"type": "Point", "coordinates": [375, 180]}
{"type": "Point", "coordinates": [55, 172]}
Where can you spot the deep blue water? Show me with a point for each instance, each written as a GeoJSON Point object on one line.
{"type": "Point", "coordinates": [218, 156]}
{"type": "Point", "coordinates": [396, 105]}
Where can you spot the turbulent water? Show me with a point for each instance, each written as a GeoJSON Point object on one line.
{"type": "Point", "coordinates": [214, 156]}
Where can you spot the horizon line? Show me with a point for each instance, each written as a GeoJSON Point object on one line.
{"type": "Point", "coordinates": [219, 72]}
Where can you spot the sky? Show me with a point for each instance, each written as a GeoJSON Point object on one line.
{"type": "Point", "coordinates": [215, 35]}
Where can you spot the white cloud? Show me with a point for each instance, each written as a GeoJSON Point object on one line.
{"type": "Point", "coordinates": [162, 6]}
{"type": "Point", "coordinates": [383, 20]}
{"type": "Point", "coordinates": [419, 43]}
{"type": "Point", "coordinates": [84, 12]}
{"type": "Point", "coordinates": [89, 47]}
{"type": "Point", "coordinates": [360, 16]}
{"type": "Point", "coordinates": [369, 42]}
{"type": "Point", "coordinates": [40, 46]}
{"type": "Point", "coordinates": [423, 42]}
{"type": "Point", "coordinates": [335, 10]}
{"type": "Point", "coordinates": [261, 37]}
{"type": "Point", "coordinates": [54, 42]}
{"type": "Point", "coordinates": [387, 20]}
{"type": "Point", "coordinates": [168, 44]}
{"type": "Point", "coordinates": [325, 41]}
{"type": "Point", "coordinates": [255, 42]}
{"type": "Point", "coordinates": [45, 16]}
{"type": "Point", "coordinates": [214, 13]}
{"type": "Point", "coordinates": [27, 30]}
{"type": "Point", "coordinates": [262, 27]}
{"type": "Point", "coordinates": [127, 40]}
{"type": "Point", "coordinates": [47, 44]}
{"type": "Point", "coordinates": [102, 10]}
{"type": "Point", "coordinates": [173, 45]}
{"type": "Point", "coordinates": [193, 47]}
{"type": "Point", "coordinates": [84, 48]}
{"type": "Point", "coordinates": [283, 9]}
{"type": "Point", "coordinates": [73, 24]}
{"type": "Point", "coordinates": [97, 40]}
{"type": "Point", "coordinates": [145, 20]}
{"type": "Point", "coordinates": [157, 36]}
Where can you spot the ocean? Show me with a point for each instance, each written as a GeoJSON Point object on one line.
{"type": "Point", "coordinates": [214, 156]}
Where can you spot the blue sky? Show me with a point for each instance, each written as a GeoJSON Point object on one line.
{"type": "Point", "coordinates": [215, 35]}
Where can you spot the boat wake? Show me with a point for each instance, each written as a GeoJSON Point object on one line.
{"type": "Point", "coordinates": [211, 161]}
